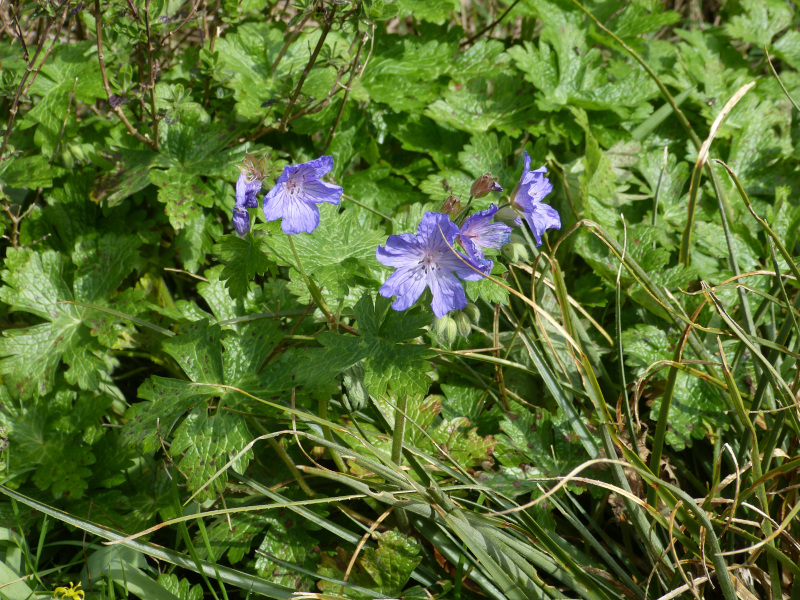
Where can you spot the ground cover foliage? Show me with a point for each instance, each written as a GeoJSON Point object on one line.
{"type": "Point", "coordinates": [615, 413]}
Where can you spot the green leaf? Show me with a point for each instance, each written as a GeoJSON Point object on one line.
{"type": "Point", "coordinates": [183, 193]}
{"type": "Point", "coordinates": [150, 422]}
{"type": "Point", "coordinates": [486, 289]}
{"type": "Point", "coordinates": [385, 569]}
{"type": "Point", "coordinates": [245, 351]}
{"type": "Point", "coordinates": [288, 541]}
{"type": "Point", "coordinates": [101, 265]}
{"type": "Point", "coordinates": [205, 444]}
{"type": "Point", "coordinates": [219, 299]}
{"type": "Point", "coordinates": [568, 72]}
{"type": "Point", "coordinates": [470, 402]}
{"type": "Point", "coordinates": [697, 408]}
{"type": "Point", "coordinates": [180, 588]}
{"type": "Point", "coordinates": [201, 147]}
{"type": "Point", "coordinates": [29, 172]}
{"type": "Point", "coordinates": [404, 72]}
{"type": "Point", "coordinates": [435, 11]}
{"type": "Point", "coordinates": [130, 174]}
{"type": "Point", "coordinates": [233, 533]}
{"type": "Point", "coordinates": [418, 133]}
{"type": "Point", "coordinates": [645, 345]}
{"type": "Point", "coordinates": [246, 57]}
{"type": "Point", "coordinates": [57, 77]}
{"type": "Point", "coordinates": [338, 254]}
{"type": "Point", "coordinates": [196, 348]}
{"type": "Point", "coordinates": [388, 362]}
{"type": "Point", "coordinates": [36, 284]}
{"type": "Point", "coordinates": [377, 188]}
{"type": "Point", "coordinates": [762, 19]}
{"type": "Point", "coordinates": [534, 444]}
{"type": "Point", "coordinates": [47, 434]}
{"type": "Point", "coordinates": [504, 102]}
{"type": "Point", "coordinates": [456, 434]}
{"type": "Point", "coordinates": [245, 257]}
{"type": "Point", "coordinates": [196, 240]}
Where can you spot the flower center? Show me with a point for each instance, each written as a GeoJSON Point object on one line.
{"type": "Point", "coordinates": [430, 260]}
{"type": "Point", "coordinates": [292, 186]}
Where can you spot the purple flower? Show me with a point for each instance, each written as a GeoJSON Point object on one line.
{"type": "Point", "coordinates": [246, 192]}
{"type": "Point", "coordinates": [296, 194]}
{"type": "Point", "coordinates": [531, 190]}
{"type": "Point", "coordinates": [241, 221]}
{"type": "Point", "coordinates": [427, 259]}
{"type": "Point", "coordinates": [479, 232]}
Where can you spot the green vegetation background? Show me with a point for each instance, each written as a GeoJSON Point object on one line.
{"type": "Point", "coordinates": [621, 420]}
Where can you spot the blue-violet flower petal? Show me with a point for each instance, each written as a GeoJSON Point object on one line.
{"type": "Point", "coordinates": [427, 259]}
{"type": "Point", "coordinates": [246, 192]}
{"type": "Point", "coordinates": [479, 232]}
{"type": "Point", "coordinates": [532, 189]}
{"type": "Point", "coordinates": [296, 194]}
{"type": "Point", "coordinates": [241, 220]}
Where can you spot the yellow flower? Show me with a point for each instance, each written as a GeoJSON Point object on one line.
{"type": "Point", "coordinates": [73, 592]}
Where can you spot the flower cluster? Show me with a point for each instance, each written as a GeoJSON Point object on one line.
{"type": "Point", "coordinates": [429, 258]}
{"type": "Point", "coordinates": [294, 198]}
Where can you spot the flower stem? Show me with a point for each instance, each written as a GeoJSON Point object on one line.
{"type": "Point", "coordinates": [326, 433]}
{"type": "Point", "coordinates": [397, 450]}
{"type": "Point", "coordinates": [312, 286]}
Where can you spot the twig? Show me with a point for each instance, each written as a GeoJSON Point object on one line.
{"type": "Point", "coordinates": [326, 28]}
{"type": "Point", "coordinates": [490, 26]}
{"type": "Point", "coordinates": [19, 34]}
{"type": "Point", "coordinates": [186, 20]}
{"type": "Point", "coordinates": [292, 37]}
{"type": "Point", "coordinates": [151, 74]}
{"type": "Point", "coordinates": [50, 49]}
{"type": "Point", "coordinates": [337, 86]}
{"type": "Point", "coordinates": [347, 88]}
{"type": "Point", "coordinates": [16, 219]}
{"type": "Point", "coordinates": [29, 69]}
{"type": "Point", "coordinates": [212, 34]}
{"type": "Point", "coordinates": [116, 108]}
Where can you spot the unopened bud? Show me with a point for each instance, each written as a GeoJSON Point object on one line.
{"type": "Point", "coordinates": [483, 185]}
{"type": "Point", "coordinates": [446, 328]}
{"type": "Point", "coordinates": [516, 250]}
{"type": "Point", "coordinates": [241, 221]}
{"type": "Point", "coordinates": [508, 215]}
{"type": "Point", "coordinates": [473, 312]}
{"type": "Point", "coordinates": [463, 323]}
{"type": "Point", "coordinates": [451, 206]}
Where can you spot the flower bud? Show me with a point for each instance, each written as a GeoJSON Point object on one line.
{"type": "Point", "coordinates": [451, 206]}
{"type": "Point", "coordinates": [508, 215]}
{"type": "Point", "coordinates": [472, 312]}
{"type": "Point", "coordinates": [446, 328]}
{"type": "Point", "coordinates": [483, 185]}
{"type": "Point", "coordinates": [241, 221]}
{"type": "Point", "coordinates": [516, 250]}
{"type": "Point", "coordinates": [463, 323]}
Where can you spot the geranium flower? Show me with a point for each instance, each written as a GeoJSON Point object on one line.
{"type": "Point", "coordinates": [427, 260]}
{"type": "Point", "coordinates": [246, 192]}
{"type": "Point", "coordinates": [479, 232]}
{"type": "Point", "coordinates": [297, 193]}
{"type": "Point", "coordinates": [531, 190]}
